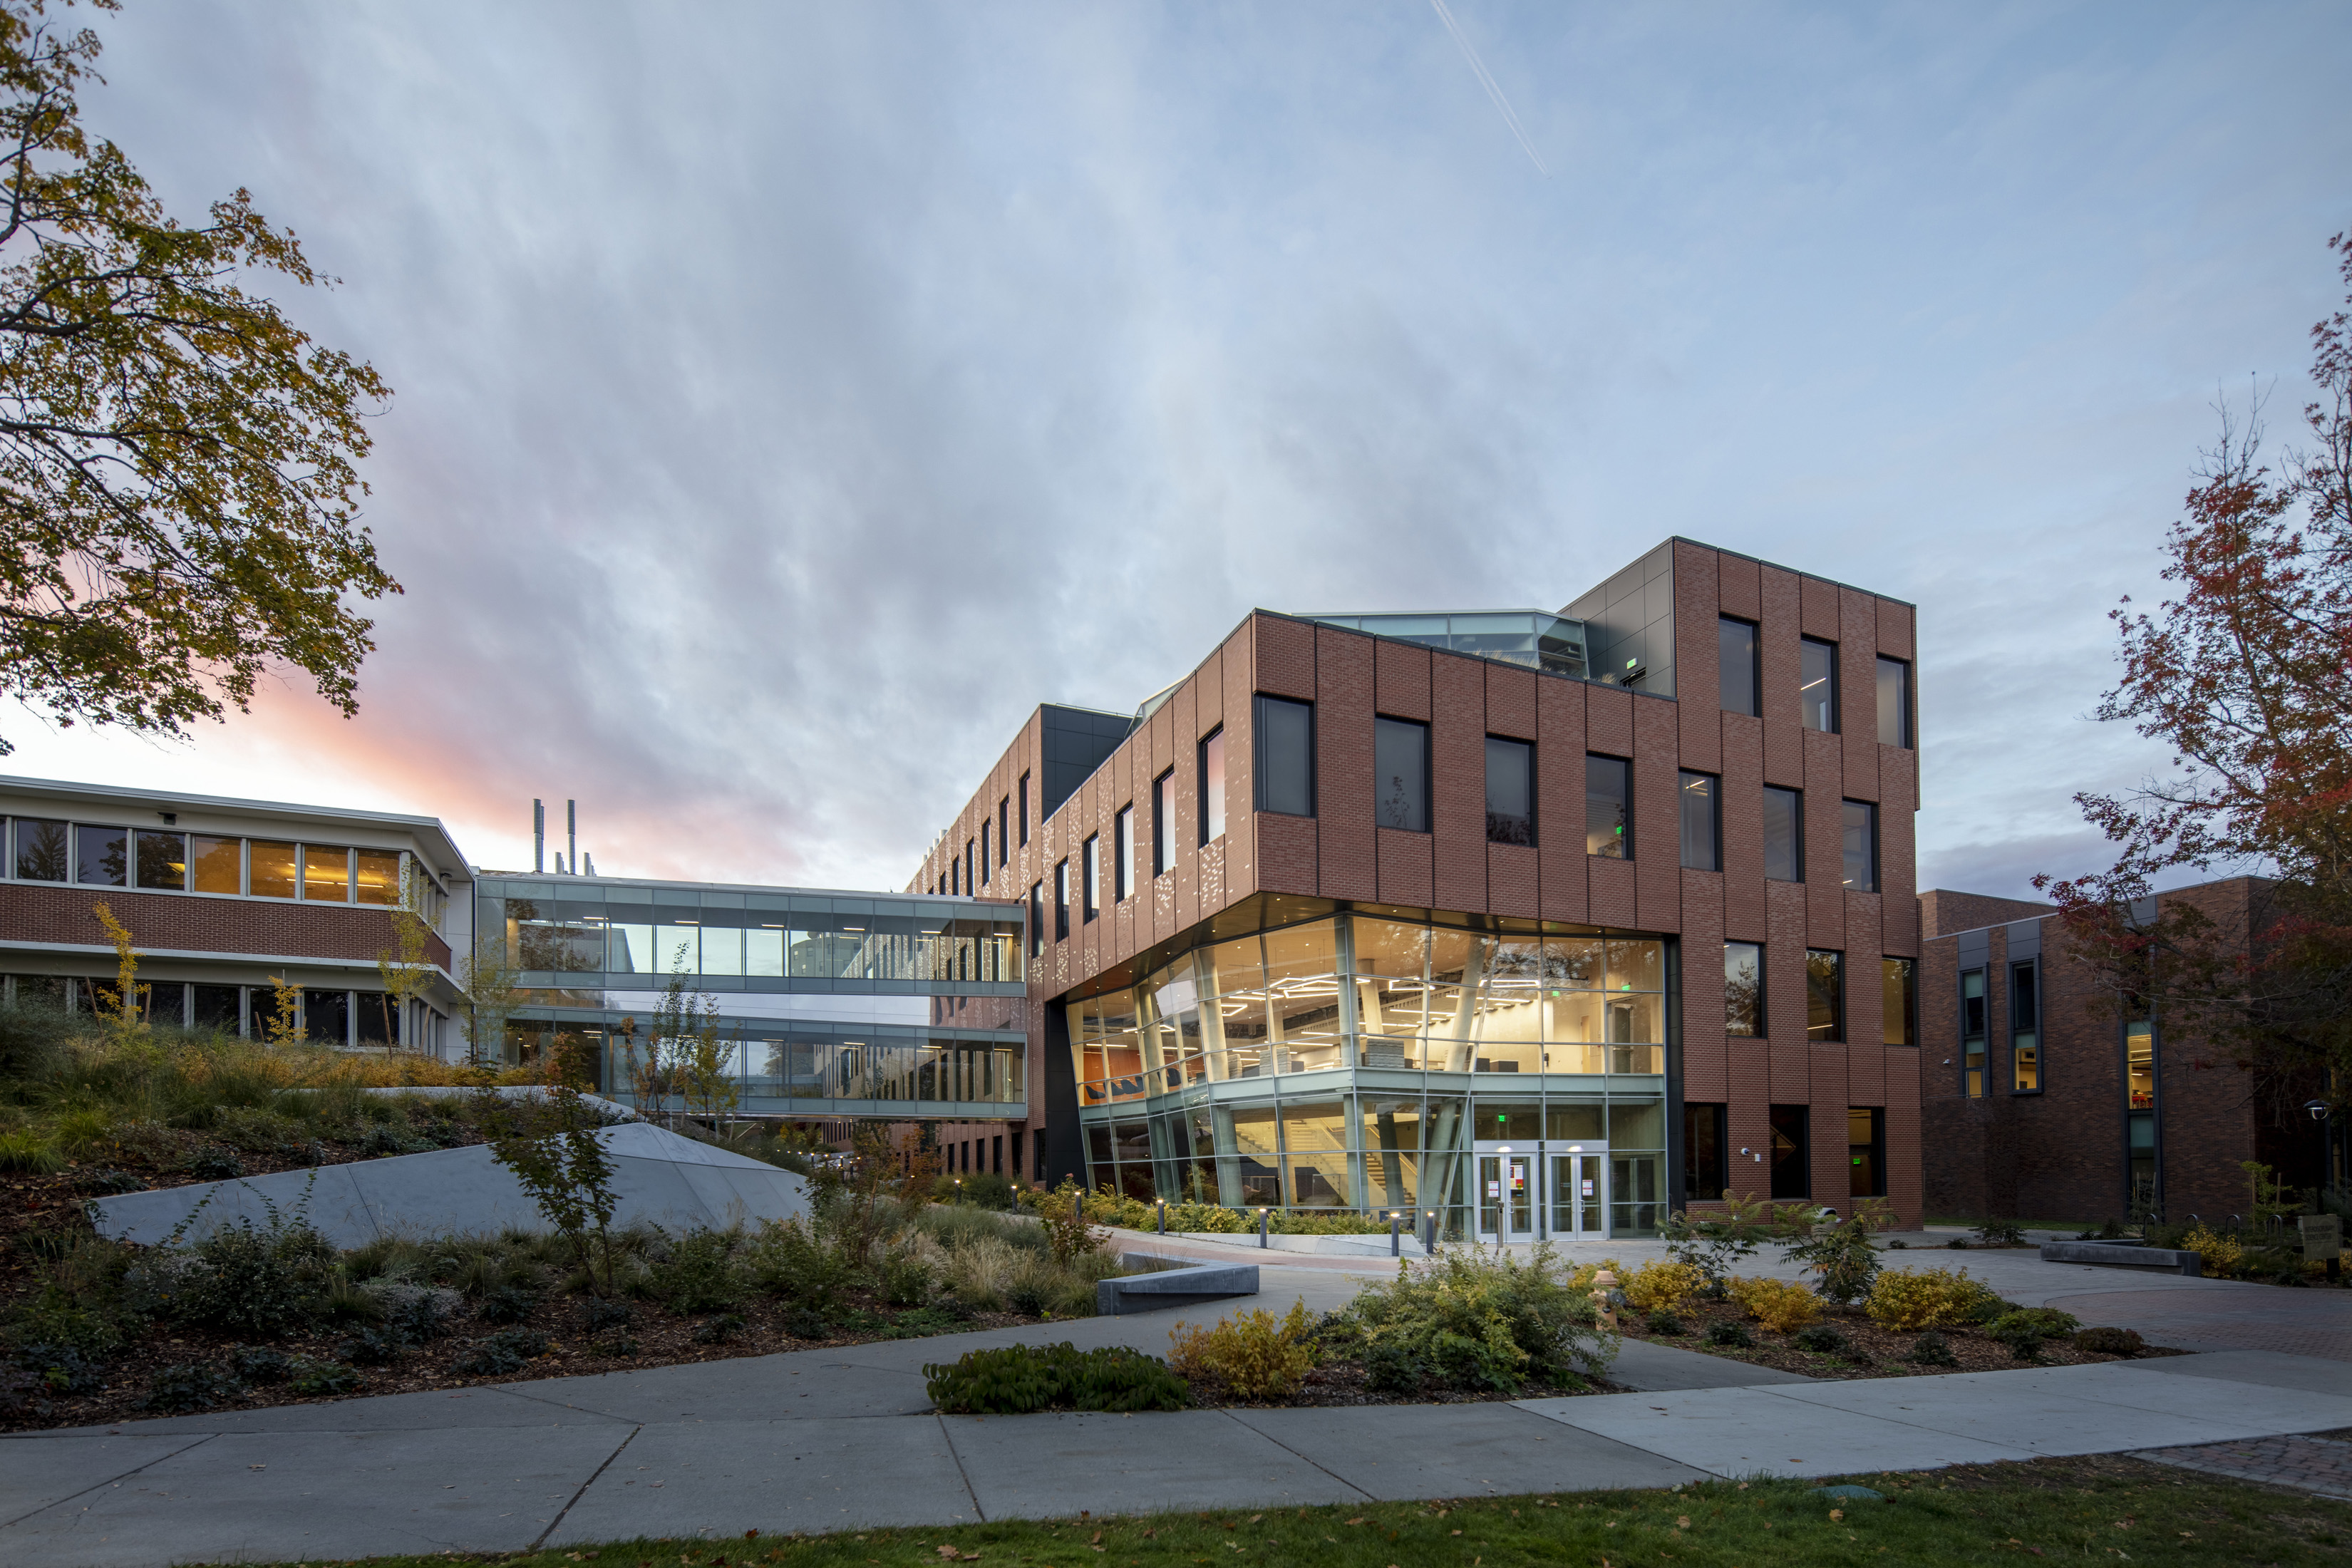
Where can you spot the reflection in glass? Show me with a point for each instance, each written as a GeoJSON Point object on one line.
{"type": "Point", "coordinates": [722, 950]}
{"type": "Point", "coordinates": [1736, 660]}
{"type": "Point", "coordinates": [99, 856]}
{"type": "Point", "coordinates": [1743, 988]}
{"type": "Point", "coordinates": [1900, 1002]}
{"type": "Point", "coordinates": [327, 873]}
{"type": "Point", "coordinates": [163, 861]}
{"type": "Point", "coordinates": [1784, 834]}
{"type": "Point", "coordinates": [1824, 997]}
{"type": "Point", "coordinates": [272, 868]}
{"type": "Point", "coordinates": [1284, 743]}
{"type": "Point", "coordinates": [378, 876]}
{"type": "Point", "coordinates": [1817, 675]}
{"type": "Point", "coordinates": [214, 865]}
{"type": "Point", "coordinates": [1212, 786]}
{"type": "Point", "coordinates": [40, 850]}
{"type": "Point", "coordinates": [1608, 807]}
{"type": "Point", "coordinates": [1401, 774]}
{"type": "Point", "coordinates": [763, 950]}
{"type": "Point", "coordinates": [1858, 844]}
{"type": "Point", "coordinates": [1894, 702]}
{"type": "Point", "coordinates": [1699, 832]}
{"type": "Point", "coordinates": [1510, 791]}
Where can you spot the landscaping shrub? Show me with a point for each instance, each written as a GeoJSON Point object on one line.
{"type": "Point", "coordinates": [923, 1323]}
{"type": "Point", "coordinates": [1730, 1334]}
{"type": "Point", "coordinates": [1662, 1321]}
{"type": "Point", "coordinates": [508, 1304]}
{"type": "Point", "coordinates": [1713, 1243]}
{"type": "Point", "coordinates": [62, 1369]}
{"type": "Point", "coordinates": [86, 1321]}
{"type": "Point", "coordinates": [2023, 1330]}
{"type": "Point", "coordinates": [1907, 1298]}
{"type": "Point", "coordinates": [1825, 1339]}
{"type": "Point", "coordinates": [1841, 1260]}
{"type": "Point", "coordinates": [2001, 1233]}
{"type": "Point", "coordinates": [700, 1274]}
{"type": "Point", "coordinates": [1782, 1306]}
{"type": "Point", "coordinates": [807, 1324]}
{"type": "Point", "coordinates": [2220, 1256]}
{"type": "Point", "coordinates": [1662, 1286]}
{"type": "Point", "coordinates": [413, 1313]}
{"type": "Point", "coordinates": [1479, 1321]}
{"type": "Point", "coordinates": [1021, 1378]}
{"type": "Point", "coordinates": [29, 1153]}
{"type": "Point", "coordinates": [243, 1279]}
{"type": "Point", "coordinates": [191, 1386]}
{"type": "Point", "coordinates": [1988, 1307]}
{"type": "Point", "coordinates": [501, 1352]}
{"type": "Point", "coordinates": [2109, 1341]}
{"type": "Point", "coordinates": [988, 1191]}
{"type": "Point", "coordinates": [1932, 1348]}
{"type": "Point", "coordinates": [259, 1363]}
{"type": "Point", "coordinates": [1254, 1353]}
{"type": "Point", "coordinates": [906, 1281]}
{"type": "Point", "coordinates": [212, 1164]}
{"type": "Point", "coordinates": [1392, 1368]}
{"type": "Point", "coordinates": [789, 1260]}
{"type": "Point", "coordinates": [717, 1331]}
{"type": "Point", "coordinates": [107, 1182]}
{"type": "Point", "coordinates": [596, 1313]}
{"type": "Point", "coordinates": [372, 1346]}
{"type": "Point", "coordinates": [317, 1379]}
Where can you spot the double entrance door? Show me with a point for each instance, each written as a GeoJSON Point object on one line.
{"type": "Point", "coordinates": [1526, 1194]}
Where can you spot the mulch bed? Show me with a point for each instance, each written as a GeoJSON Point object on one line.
{"type": "Point", "coordinates": [1885, 1348]}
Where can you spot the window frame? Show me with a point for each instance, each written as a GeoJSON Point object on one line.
{"type": "Point", "coordinates": [1755, 634]}
{"type": "Point", "coordinates": [1763, 1029]}
{"type": "Point", "coordinates": [1004, 843]}
{"type": "Point", "coordinates": [1624, 840]}
{"type": "Point", "coordinates": [1263, 770]}
{"type": "Point", "coordinates": [1419, 740]}
{"type": "Point", "coordinates": [1720, 1115]}
{"type": "Point", "coordinates": [1213, 801]}
{"type": "Point", "coordinates": [1689, 785]}
{"type": "Point", "coordinates": [1801, 1162]}
{"type": "Point", "coordinates": [2026, 1022]}
{"type": "Point", "coordinates": [1062, 899]}
{"type": "Point", "coordinates": [1122, 872]}
{"type": "Point", "coordinates": [1903, 720]}
{"type": "Point", "coordinates": [1528, 760]}
{"type": "Point", "coordinates": [1837, 1003]}
{"type": "Point", "coordinates": [1796, 799]}
{"type": "Point", "coordinates": [1024, 811]}
{"type": "Point", "coordinates": [1910, 999]}
{"type": "Point", "coordinates": [1037, 918]}
{"type": "Point", "coordinates": [1876, 1145]}
{"type": "Point", "coordinates": [984, 867]}
{"type": "Point", "coordinates": [1164, 823]}
{"type": "Point", "coordinates": [1869, 810]}
{"type": "Point", "coordinates": [1091, 878]}
{"type": "Point", "coordinates": [1972, 1062]}
{"type": "Point", "coordinates": [1835, 725]}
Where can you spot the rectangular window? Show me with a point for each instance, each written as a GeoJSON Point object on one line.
{"type": "Point", "coordinates": [1093, 875]}
{"type": "Point", "coordinates": [1061, 901]}
{"type": "Point", "coordinates": [1701, 823]}
{"type": "Point", "coordinates": [1122, 855]}
{"type": "Point", "coordinates": [272, 868]}
{"type": "Point", "coordinates": [1003, 844]}
{"type": "Point", "coordinates": [1899, 980]}
{"type": "Point", "coordinates": [1792, 1160]}
{"type": "Point", "coordinates": [1608, 807]}
{"type": "Point", "coordinates": [1212, 785]}
{"type": "Point", "coordinates": [1972, 1032]}
{"type": "Point", "coordinates": [1894, 702]}
{"type": "Point", "coordinates": [215, 864]}
{"type": "Point", "coordinates": [1510, 791]}
{"type": "Point", "coordinates": [1400, 770]}
{"type": "Point", "coordinates": [1865, 1148]}
{"type": "Point", "coordinates": [378, 876]}
{"type": "Point", "coordinates": [2024, 1030]}
{"type": "Point", "coordinates": [1784, 834]}
{"type": "Point", "coordinates": [1743, 989]}
{"type": "Point", "coordinates": [1285, 745]}
{"type": "Point", "coordinates": [219, 1007]}
{"type": "Point", "coordinates": [1824, 995]}
{"type": "Point", "coordinates": [40, 850]}
{"type": "Point", "coordinates": [163, 861]}
{"type": "Point", "coordinates": [1736, 658]}
{"type": "Point", "coordinates": [2139, 1065]}
{"type": "Point", "coordinates": [1706, 1172]}
{"type": "Point", "coordinates": [1024, 811]}
{"type": "Point", "coordinates": [101, 856]}
{"type": "Point", "coordinates": [986, 868]}
{"type": "Point", "coordinates": [947, 887]}
{"type": "Point", "coordinates": [327, 1017]}
{"type": "Point", "coordinates": [1036, 919]}
{"type": "Point", "coordinates": [1164, 823]}
{"type": "Point", "coordinates": [1817, 672]}
{"type": "Point", "coordinates": [326, 873]}
{"type": "Point", "coordinates": [1858, 845]}
{"type": "Point", "coordinates": [970, 885]}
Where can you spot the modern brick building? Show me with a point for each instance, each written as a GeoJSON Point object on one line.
{"type": "Point", "coordinates": [2045, 1097]}
{"type": "Point", "coordinates": [1533, 923]}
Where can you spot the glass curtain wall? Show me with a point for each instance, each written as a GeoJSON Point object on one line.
{"type": "Point", "coordinates": [554, 935]}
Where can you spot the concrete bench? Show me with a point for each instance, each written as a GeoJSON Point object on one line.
{"type": "Point", "coordinates": [2119, 1254]}
{"type": "Point", "coordinates": [1173, 1288]}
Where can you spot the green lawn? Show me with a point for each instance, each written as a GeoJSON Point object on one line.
{"type": "Point", "coordinates": [2102, 1510]}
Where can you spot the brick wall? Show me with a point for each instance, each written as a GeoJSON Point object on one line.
{"type": "Point", "coordinates": [32, 911]}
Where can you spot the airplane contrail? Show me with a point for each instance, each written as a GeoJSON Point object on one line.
{"type": "Point", "coordinates": [1487, 82]}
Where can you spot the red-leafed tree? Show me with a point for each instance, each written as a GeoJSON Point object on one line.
{"type": "Point", "coordinates": [2246, 674]}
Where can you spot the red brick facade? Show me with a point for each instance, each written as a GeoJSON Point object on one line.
{"type": "Point", "coordinates": [42, 913]}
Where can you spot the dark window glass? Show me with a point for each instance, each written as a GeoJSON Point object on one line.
{"type": "Point", "coordinates": [1866, 1138]}
{"type": "Point", "coordinates": [377, 1017]}
{"type": "Point", "coordinates": [327, 1017]}
{"type": "Point", "coordinates": [1061, 901]}
{"type": "Point", "coordinates": [1792, 1160]}
{"type": "Point", "coordinates": [1894, 702]}
{"type": "Point", "coordinates": [1025, 810]}
{"type": "Point", "coordinates": [1784, 834]}
{"type": "Point", "coordinates": [1093, 875]}
{"type": "Point", "coordinates": [1824, 995]}
{"type": "Point", "coordinates": [1704, 1169]}
{"type": "Point", "coordinates": [986, 868]}
{"type": "Point", "coordinates": [1212, 785]}
{"type": "Point", "coordinates": [1817, 675]}
{"type": "Point", "coordinates": [1164, 823]}
{"type": "Point", "coordinates": [1700, 827]}
{"type": "Point", "coordinates": [1510, 791]}
{"type": "Point", "coordinates": [1608, 807]}
{"type": "Point", "coordinates": [163, 861]}
{"type": "Point", "coordinates": [40, 850]}
{"type": "Point", "coordinates": [1899, 977]}
{"type": "Point", "coordinates": [216, 1008]}
{"type": "Point", "coordinates": [1736, 656]}
{"type": "Point", "coordinates": [1122, 855]}
{"type": "Point", "coordinates": [1004, 843]}
{"type": "Point", "coordinates": [1972, 1032]}
{"type": "Point", "coordinates": [1401, 774]}
{"type": "Point", "coordinates": [2024, 1030]}
{"type": "Point", "coordinates": [1743, 988]}
{"type": "Point", "coordinates": [1036, 919]}
{"type": "Point", "coordinates": [969, 885]}
{"type": "Point", "coordinates": [1858, 845]}
{"type": "Point", "coordinates": [1286, 756]}
{"type": "Point", "coordinates": [166, 1004]}
{"type": "Point", "coordinates": [100, 855]}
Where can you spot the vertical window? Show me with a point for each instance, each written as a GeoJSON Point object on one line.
{"type": "Point", "coordinates": [101, 856]}
{"type": "Point", "coordinates": [325, 874]}
{"type": "Point", "coordinates": [1894, 702]}
{"type": "Point", "coordinates": [1164, 823]}
{"type": "Point", "coordinates": [1283, 739]}
{"type": "Point", "coordinates": [1510, 791]}
{"type": "Point", "coordinates": [1608, 807]}
{"type": "Point", "coordinates": [1122, 855]}
{"type": "Point", "coordinates": [1212, 785]}
{"type": "Point", "coordinates": [1700, 824]}
{"type": "Point", "coordinates": [1899, 980]}
{"type": "Point", "coordinates": [949, 885]}
{"type": "Point", "coordinates": [1865, 1148]}
{"type": "Point", "coordinates": [1061, 901]}
{"type": "Point", "coordinates": [1736, 658]}
{"type": "Point", "coordinates": [271, 867]}
{"type": "Point", "coordinates": [985, 866]}
{"type": "Point", "coordinates": [1093, 875]}
{"type": "Point", "coordinates": [2140, 1065]}
{"type": "Point", "coordinates": [1036, 919]}
{"type": "Point", "coordinates": [1824, 995]}
{"type": "Point", "coordinates": [1792, 1160]}
{"type": "Point", "coordinates": [164, 860]}
{"type": "Point", "coordinates": [1401, 768]}
{"type": "Point", "coordinates": [1024, 811]}
{"type": "Point", "coordinates": [40, 850]}
{"type": "Point", "coordinates": [970, 885]}
{"type": "Point", "coordinates": [1972, 1032]}
{"type": "Point", "coordinates": [1817, 675]}
{"type": "Point", "coordinates": [1784, 834]}
{"type": "Point", "coordinates": [2139, 1117]}
{"type": "Point", "coordinates": [378, 881]}
{"type": "Point", "coordinates": [1858, 844]}
{"type": "Point", "coordinates": [1706, 1172]}
{"type": "Point", "coordinates": [2024, 1030]}
{"type": "Point", "coordinates": [1743, 989]}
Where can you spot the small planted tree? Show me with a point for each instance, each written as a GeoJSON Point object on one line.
{"type": "Point", "coordinates": [551, 1145]}
{"type": "Point", "coordinates": [406, 966]}
{"type": "Point", "coordinates": [488, 976]}
{"type": "Point", "coordinates": [125, 1006]}
{"type": "Point", "coordinates": [1715, 1242]}
{"type": "Point", "coordinates": [284, 1024]}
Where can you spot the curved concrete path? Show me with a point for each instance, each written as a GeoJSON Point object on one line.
{"type": "Point", "coordinates": [826, 1439]}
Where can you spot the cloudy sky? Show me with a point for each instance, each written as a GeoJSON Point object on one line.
{"type": "Point", "coordinates": [790, 396]}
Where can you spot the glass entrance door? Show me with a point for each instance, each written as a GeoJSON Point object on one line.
{"type": "Point", "coordinates": [1508, 1198]}
{"type": "Point", "coordinates": [1580, 1194]}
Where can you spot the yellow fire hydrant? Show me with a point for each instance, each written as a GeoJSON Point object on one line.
{"type": "Point", "coordinates": [1604, 1298]}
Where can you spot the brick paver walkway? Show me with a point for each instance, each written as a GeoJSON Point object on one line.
{"type": "Point", "coordinates": [2319, 1465]}
{"type": "Point", "coordinates": [2241, 1318]}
